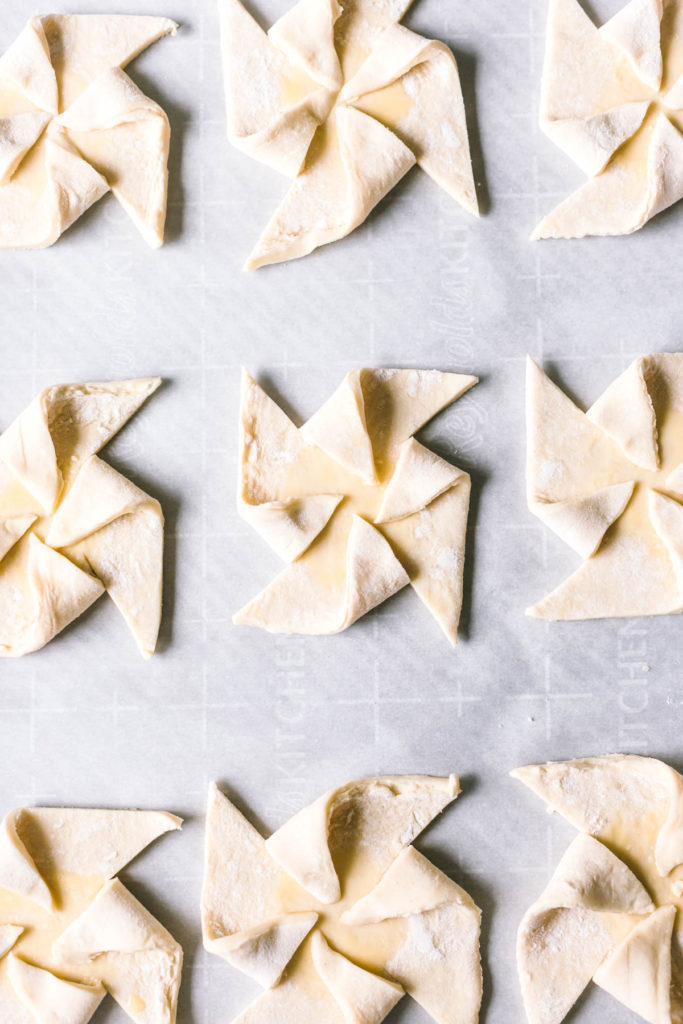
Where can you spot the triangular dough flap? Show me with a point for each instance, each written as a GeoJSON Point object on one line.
{"type": "Point", "coordinates": [373, 573]}
{"type": "Point", "coordinates": [74, 185]}
{"type": "Point", "coordinates": [419, 477]}
{"type": "Point", "coordinates": [388, 813]}
{"type": "Point", "coordinates": [630, 576]}
{"type": "Point", "coordinates": [290, 527]}
{"type": "Point", "coordinates": [60, 592]}
{"type": "Point", "coordinates": [305, 34]}
{"type": "Point", "coordinates": [583, 914]}
{"type": "Point", "coordinates": [636, 28]}
{"type": "Point", "coordinates": [590, 877]}
{"type": "Point", "coordinates": [84, 417]}
{"type": "Point", "coordinates": [582, 522]}
{"type": "Point", "coordinates": [340, 430]}
{"type": "Point", "coordinates": [337, 187]}
{"type": "Point", "coordinates": [595, 793]}
{"type": "Point", "coordinates": [51, 1000]}
{"type": "Point", "coordinates": [17, 135]}
{"type": "Point", "coordinates": [126, 137]}
{"type": "Point", "coordinates": [399, 402]}
{"type": "Point", "coordinates": [364, 998]}
{"type": "Point", "coordinates": [18, 872]}
{"type": "Point", "coordinates": [263, 952]}
{"type": "Point", "coordinates": [27, 449]}
{"type": "Point", "coordinates": [85, 45]}
{"type": "Point", "coordinates": [591, 141]}
{"type": "Point", "coordinates": [89, 842]}
{"type": "Point", "coordinates": [412, 885]}
{"type": "Point", "coordinates": [255, 73]}
{"type": "Point", "coordinates": [27, 64]}
{"type": "Point", "coordinates": [114, 922]}
{"type": "Point", "coordinates": [638, 972]}
{"type": "Point", "coordinates": [563, 447]}
{"type": "Point", "coordinates": [98, 496]}
{"type": "Point", "coordinates": [239, 895]}
{"type": "Point", "coordinates": [270, 444]}
{"type": "Point", "coordinates": [667, 518]}
{"type": "Point", "coordinates": [625, 412]}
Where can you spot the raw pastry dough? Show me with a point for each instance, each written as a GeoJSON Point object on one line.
{"type": "Point", "coordinates": [355, 504]}
{"type": "Point", "coordinates": [611, 912]}
{"type": "Point", "coordinates": [71, 527]}
{"type": "Point", "coordinates": [337, 915]}
{"type": "Point", "coordinates": [70, 932]}
{"type": "Point", "coordinates": [345, 101]}
{"type": "Point", "coordinates": [609, 482]}
{"type": "Point", "coordinates": [73, 125]}
{"type": "Point", "coordinates": [612, 99]}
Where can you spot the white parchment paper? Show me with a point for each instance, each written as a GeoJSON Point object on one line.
{"type": "Point", "coordinates": [87, 722]}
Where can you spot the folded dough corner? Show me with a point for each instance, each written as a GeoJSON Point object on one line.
{"type": "Point", "coordinates": [609, 482]}
{"type": "Point", "coordinates": [74, 126]}
{"type": "Point", "coordinates": [611, 911]}
{"type": "Point", "coordinates": [71, 932]}
{"type": "Point", "coordinates": [611, 100]}
{"type": "Point", "coordinates": [354, 504]}
{"type": "Point", "coordinates": [71, 527]}
{"type": "Point", "coordinates": [337, 915]}
{"type": "Point", "coordinates": [344, 101]}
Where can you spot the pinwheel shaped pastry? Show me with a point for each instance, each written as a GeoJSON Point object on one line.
{"type": "Point", "coordinates": [609, 482]}
{"type": "Point", "coordinates": [73, 125]}
{"type": "Point", "coordinates": [613, 101]}
{"type": "Point", "coordinates": [344, 100]}
{"type": "Point", "coordinates": [70, 932]}
{"type": "Point", "coordinates": [355, 504]}
{"type": "Point", "coordinates": [336, 914]}
{"type": "Point", "coordinates": [611, 912]}
{"type": "Point", "coordinates": [71, 527]}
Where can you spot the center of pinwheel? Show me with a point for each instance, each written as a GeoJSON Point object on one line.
{"type": "Point", "coordinates": [627, 86]}
{"type": "Point", "coordinates": [71, 894]}
{"type": "Point", "coordinates": [670, 438]}
{"type": "Point", "coordinates": [371, 946]}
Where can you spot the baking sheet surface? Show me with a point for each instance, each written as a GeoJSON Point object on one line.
{"type": "Point", "coordinates": [278, 720]}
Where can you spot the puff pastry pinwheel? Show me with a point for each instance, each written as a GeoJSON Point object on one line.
{"type": "Point", "coordinates": [71, 527]}
{"type": "Point", "coordinates": [612, 99]}
{"type": "Point", "coordinates": [611, 912]}
{"type": "Point", "coordinates": [344, 100]}
{"type": "Point", "coordinates": [354, 503]}
{"type": "Point", "coordinates": [73, 125]}
{"type": "Point", "coordinates": [70, 932]}
{"type": "Point", "coordinates": [336, 914]}
{"type": "Point", "coordinates": [609, 482]}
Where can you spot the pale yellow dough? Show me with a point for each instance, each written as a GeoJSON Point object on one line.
{"type": "Point", "coordinates": [71, 527]}
{"type": "Point", "coordinates": [612, 911]}
{"type": "Point", "coordinates": [73, 125]}
{"type": "Point", "coordinates": [612, 99]}
{"type": "Point", "coordinates": [609, 482]}
{"type": "Point", "coordinates": [344, 100]}
{"type": "Point", "coordinates": [353, 502]}
{"type": "Point", "coordinates": [337, 915]}
{"type": "Point", "coordinates": [70, 932]}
